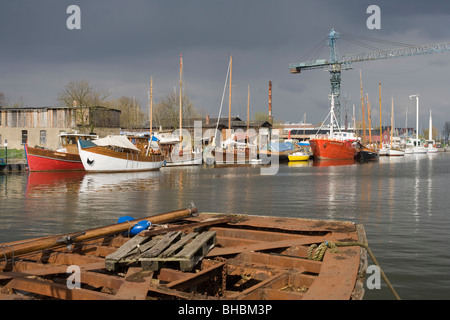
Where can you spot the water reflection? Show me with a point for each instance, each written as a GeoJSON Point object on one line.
{"type": "Point", "coordinates": [39, 183]}
{"type": "Point", "coordinates": [119, 182]}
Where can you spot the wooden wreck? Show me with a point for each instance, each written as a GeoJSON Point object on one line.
{"type": "Point", "coordinates": [186, 255]}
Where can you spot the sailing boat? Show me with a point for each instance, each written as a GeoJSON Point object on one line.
{"type": "Point", "coordinates": [394, 149]}
{"type": "Point", "coordinates": [431, 148]}
{"type": "Point", "coordinates": [366, 151]}
{"type": "Point", "coordinates": [232, 151]}
{"type": "Point", "coordinates": [417, 144]}
{"type": "Point", "coordinates": [116, 153]}
{"type": "Point", "coordinates": [172, 149]}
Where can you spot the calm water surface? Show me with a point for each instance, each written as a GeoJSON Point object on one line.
{"type": "Point", "coordinates": [402, 203]}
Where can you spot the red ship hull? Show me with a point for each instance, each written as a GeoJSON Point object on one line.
{"type": "Point", "coordinates": [329, 149]}
{"type": "Point", "coordinates": [48, 160]}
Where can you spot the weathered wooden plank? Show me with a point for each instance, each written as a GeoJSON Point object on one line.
{"type": "Point", "coordinates": [112, 259]}
{"type": "Point", "coordinates": [161, 245]}
{"type": "Point", "coordinates": [196, 250]}
{"type": "Point", "coordinates": [146, 260]}
{"type": "Point", "coordinates": [187, 258]}
{"type": "Point", "coordinates": [177, 246]}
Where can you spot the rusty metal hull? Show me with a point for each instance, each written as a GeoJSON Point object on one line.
{"type": "Point", "coordinates": [253, 258]}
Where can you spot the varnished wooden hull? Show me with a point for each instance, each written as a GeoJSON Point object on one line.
{"type": "Point", "coordinates": [100, 159]}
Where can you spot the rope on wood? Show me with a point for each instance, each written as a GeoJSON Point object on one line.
{"type": "Point", "coordinates": [319, 252]}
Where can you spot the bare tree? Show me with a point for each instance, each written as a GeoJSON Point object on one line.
{"type": "Point", "coordinates": [131, 112]}
{"type": "Point", "coordinates": [84, 99]}
{"type": "Point", "coordinates": [167, 111]}
{"type": "Point", "coordinates": [2, 99]}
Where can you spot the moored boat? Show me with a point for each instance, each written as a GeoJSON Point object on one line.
{"type": "Point", "coordinates": [338, 146]}
{"type": "Point", "coordinates": [117, 154]}
{"type": "Point", "coordinates": [366, 153]}
{"type": "Point", "coordinates": [299, 156]}
{"type": "Point", "coordinates": [334, 145]}
{"type": "Point", "coordinates": [233, 257]}
{"type": "Point", "coordinates": [234, 152]}
{"type": "Point", "coordinates": [176, 151]}
{"type": "Point", "coordinates": [65, 158]}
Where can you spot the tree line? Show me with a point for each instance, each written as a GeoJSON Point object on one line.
{"type": "Point", "coordinates": [85, 99]}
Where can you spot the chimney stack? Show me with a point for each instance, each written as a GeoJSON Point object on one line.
{"type": "Point", "coordinates": [207, 119]}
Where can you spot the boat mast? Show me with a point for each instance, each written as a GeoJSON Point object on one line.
{"type": "Point", "coordinates": [332, 116]}
{"type": "Point", "coordinates": [430, 132]}
{"type": "Point", "coordinates": [417, 114]}
{"type": "Point", "coordinates": [181, 71]}
{"type": "Point", "coordinates": [362, 107]}
{"type": "Point", "coordinates": [221, 102]}
{"type": "Point", "coordinates": [379, 95]}
{"type": "Point", "coordinates": [229, 102]}
{"type": "Point", "coordinates": [369, 117]}
{"type": "Point", "coordinates": [151, 113]}
{"type": "Point", "coordinates": [151, 106]}
{"type": "Point", "coordinates": [248, 109]}
{"type": "Point", "coordinates": [392, 120]}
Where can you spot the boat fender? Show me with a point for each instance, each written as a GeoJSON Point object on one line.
{"type": "Point", "coordinates": [140, 226]}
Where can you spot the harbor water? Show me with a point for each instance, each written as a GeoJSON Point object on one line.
{"type": "Point", "coordinates": [402, 202]}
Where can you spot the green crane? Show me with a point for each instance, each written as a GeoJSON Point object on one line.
{"type": "Point", "coordinates": [336, 64]}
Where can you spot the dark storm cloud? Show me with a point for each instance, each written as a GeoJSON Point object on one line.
{"type": "Point", "coordinates": [122, 43]}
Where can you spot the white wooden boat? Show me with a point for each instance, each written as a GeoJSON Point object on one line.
{"type": "Point", "coordinates": [116, 154]}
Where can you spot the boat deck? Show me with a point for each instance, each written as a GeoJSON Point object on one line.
{"type": "Point", "coordinates": [208, 256]}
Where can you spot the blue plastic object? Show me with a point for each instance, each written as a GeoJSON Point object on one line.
{"type": "Point", "coordinates": [140, 226]}
{"type": "Point", "coordinates": [125, 219]}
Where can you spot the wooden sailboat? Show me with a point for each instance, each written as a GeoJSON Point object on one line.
{"type": "Point", "coordinates": [394, 149]}
{"type": "Point", "coordinates": [232, 151]}
{"type": "Point", "coordinates": [116, 154]}
{"type": "Point", "coordinates": [172, 149]}
{"type": "Point", "coordinates": [366, 151]}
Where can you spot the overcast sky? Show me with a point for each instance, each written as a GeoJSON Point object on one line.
{"type": "Point", "coordinates": [122, 44]}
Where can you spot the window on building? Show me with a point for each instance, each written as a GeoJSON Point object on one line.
{"type": "Point", "coordinates": [24, 136]}
{"type": "Point", "coordinates": [43, 137]}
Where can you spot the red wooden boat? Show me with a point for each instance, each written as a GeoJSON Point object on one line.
{"type": "Point", "coordinates": [62, 159]}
